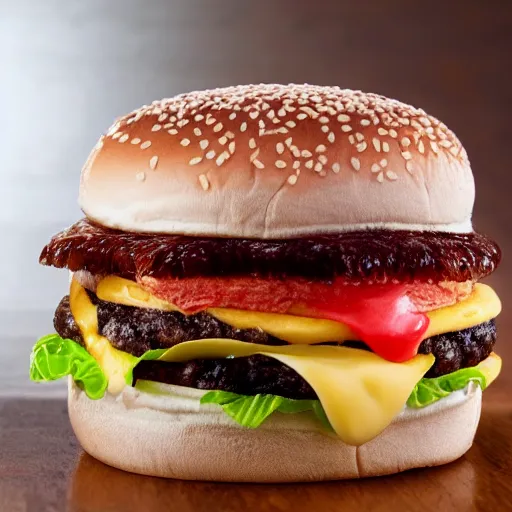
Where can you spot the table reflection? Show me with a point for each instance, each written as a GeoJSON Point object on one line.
{"type": "Point", "coordinates": [95, 486]}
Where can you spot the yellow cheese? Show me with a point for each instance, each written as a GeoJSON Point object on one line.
{"type": "Point", "coordinates": [482, 305]}
{"type": "Point", "coordinates": [114, 363]}
{"type": "Point", "coordinates": [490, 367]}
{"type": "Point", "coordinates": [360, 392]}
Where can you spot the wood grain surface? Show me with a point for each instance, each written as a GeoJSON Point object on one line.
{"type": "Point", "coordinates": [68, 68]}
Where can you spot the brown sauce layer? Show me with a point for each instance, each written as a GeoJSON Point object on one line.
{"type": "Point", "coordinates": [371, 254]}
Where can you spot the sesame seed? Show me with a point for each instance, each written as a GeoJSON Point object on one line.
{"type": "Point", "coordinates": [320, 148]}
{"type": "Point", "coordinates": [310, 112]}
{"type": "Point", "coordinates": [336, 167]}
{"type": "Point", "coordinates": [145, 145]}
{"type": "Point", "coordinates": [271, 114]}
{"type": "Point", "coordinates": [210, 155]}
{"type": "Point", "coordinates": [434, 146]}
{"type": "Point", "coordinates": [218, 127]}
{"type": "Point", "coordinates": [153, 162]}
{"type": "Point", "coordinates": [318, 167]}
{"type": "Point", "coordinates": [252, 143]}
{"type": "Point", "coordinates": [309, 164]}
{"type": "Point", "coordinates": [305, 153]}
{"type": "Point", "coordinates": [421, 147]}
{"type": "Point", "coordinates": [210, 120]}
{"type": "Point", "coordinates": [223, 140]}
{"type": "Point", "coordinates": [292, 179]}
{"type": "Point", "coordinates": [365, 122]}
{"type": "Point", "coordinates": [232, 116]}
{"type": "Point", "coordinates": [356, 164]}
{"type": "Point", "coordinates": [199, 117]}
{"type": "Point", "coordinates": [291, 124]}
{"type": "Point", "coordinates": [276, 120]}
{"type": "Point", "coordinates": [323, 119]}
{"type": "Point", "coordinates": [288, 141]}
{"type": "Point", "coordinates": [197, 131]}
{"type": "Point", "coordinates": [281, 112]}
{"type": "Point", "coordinates": [280, 164]}
{"type": "Point", "coordinates": [163, 117]}
{"type": "Point", "coordinates": [254, 155]}
{"type": "Point", "coordinates": [185, 142]}
{"type": "Point", "coordinates": [391, 175]}
{"type": "Point", "coordinates": [231, 147]}
{"type": "Point", "coordinates": [258, 164]}
{"type": "Point", "coordinates": [203, 144]}
{"type": "Point", "coordinates": [301, 116]}
{"type": "Point", "coordinates": [406, 155]}
{"type": "Point", "coordinates": [123, 138]}
{"type": "Point", "coordinates": [296, 164]}
{"type": "Point", "coordinates": [295, 151]}
{"type": "Point", "coordinates": [156, 127]}
{"type": "Point", "coordinates": [405, 141]}
{"type": "Point", "coordinates": [384, 162]}
{"type": "Point", "coordinates": [254, 114]}
{"type": "Point", "coordinates": [195, 160]}
{"type": "Point", "coordinates": [380, 177]}
{"type": "Point", "coordinates": [454, 150]}
{"type": "Point", "coordinates": [375, 168]}
{"type": "Point", "coordinates": [116, 135]}
{"type": "Point", "coordinates": [136, 140]}
{"type": "Point", "coordinates": [376, 144]}
{"type": "Point", "coordinates": [351, 139]}
{"type": "Point", "coordinates": [409, 166]}
{"type": "Point", "coordinates": [140, 176]}
{"type": "Point", "coordinates": [172, 132]}
{"type": "Point", "coordinates": [221, 158]}
{"type": "Point", "coordinates": [324, 128]}
{"type": "Point", "coordinates": [361, 146]}
{"type": "Point", "coordinates": [243, 127]}
{"type": "Point", "coordinates": [393, 133]}
{"type": "Point", "coordinates": [445, 143]}
{"type": "Point", "coordinates": [229, 135]}
{"type": "Point", "coordinates": [385, 147]}
{"type": "Point", "coordinates": [182, 122]}
{"type": "Point", "coordinates": [203, 180]}
{"type": "Point", "coordinates": [346, 128]}
{"type": "Point", "coordinates": [343, 118]}
{"type": "Point", "coordinates": [331, 137]}
{"type": "Point", "coordinates": [382, 131]}
{"type": "Point", "coordinates": [280, 148]}
{"type": "Point", "coordinates": [322, 159]}
{"type": "Point", "coordinates": [359, 136]}
{"type": "Point", "coordinates": [261, 124]}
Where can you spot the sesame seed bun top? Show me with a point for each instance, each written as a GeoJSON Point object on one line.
{"type": "Point", "coordinates": [272, 161]}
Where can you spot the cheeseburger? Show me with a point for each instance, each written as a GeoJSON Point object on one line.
{"type": "Point", "coordinates": [274, 283]}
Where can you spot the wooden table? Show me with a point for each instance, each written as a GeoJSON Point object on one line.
{"type": "Point", "coordinates": [68, 68]}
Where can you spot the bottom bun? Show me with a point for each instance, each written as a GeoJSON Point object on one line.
{"type": "Point", "coordinates": [174, 437]}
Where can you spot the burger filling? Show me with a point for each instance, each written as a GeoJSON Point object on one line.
{"type": "Point", "coordinates": [407, 326]}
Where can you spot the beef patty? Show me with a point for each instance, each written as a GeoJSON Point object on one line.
{"type": "Point", "coordinates": [136, 330]}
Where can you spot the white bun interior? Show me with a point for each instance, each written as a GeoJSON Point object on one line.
{"type": "Point", "coordinates": [174, 437]}
{"type": "Point", "coordinates": [272, 161]}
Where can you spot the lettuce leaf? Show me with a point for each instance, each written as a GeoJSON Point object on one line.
{"type": "Point", "coordinates": [53, 358]}
{"type": "Point", "coordinates": [252, 411]}
{"type": "Point", "coordinates": [428, 391]}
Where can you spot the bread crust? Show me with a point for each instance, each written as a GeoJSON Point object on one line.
{"type": "Point", "coordinates": [270, 161]}
{"type": "Point", "coordinates": [128, 433]}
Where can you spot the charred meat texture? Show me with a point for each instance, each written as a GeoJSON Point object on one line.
{"type": "Point", "coordinates": [375, 254]}
{"type": "Point", "coordinates": [136, 330]}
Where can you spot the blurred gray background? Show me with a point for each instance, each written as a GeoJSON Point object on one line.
{"type": "Point", "coordinates": [68, 68]}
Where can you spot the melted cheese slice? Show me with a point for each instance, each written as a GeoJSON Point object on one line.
{"type": "Point", "coordinates": [482, 305]}
{"type": "Point", "coordinates": [114, 363]}
{"type": "Point", "coordinates": [360, 392]}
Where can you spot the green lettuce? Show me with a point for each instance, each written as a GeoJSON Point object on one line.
{"type": "Point", "coordinates": [53, 358]}
{"type": "Point", "coordinates": [429, 391]}
{"type": "Point", "coordinates": [252, 411]}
